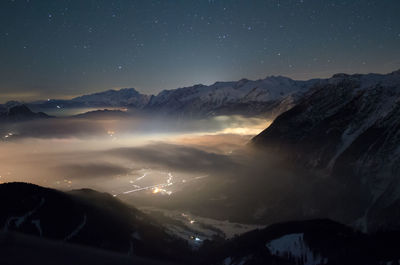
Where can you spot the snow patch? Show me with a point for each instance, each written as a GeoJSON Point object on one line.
{"type": "Point", "coordinates": [136, 236]}
{"type": "Point", "coordinates": [207, 228]}
{"type": "Point", "coordinates": [76, 231]}
{"type": "Point", "coordinates": [38, 227]}
{"type": "Point", "coordinates": [292, 246]}
{"type": "Point", "coordinates": [18, 221]}
{"type": "Point", "coordinates": [227, 261]}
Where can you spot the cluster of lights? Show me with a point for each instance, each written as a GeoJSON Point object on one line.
{"type": "Point", "coordinates": [195, 238]}
{"type": "Point", "coordinates": [158, 190]}
{"type": "Point", "coordinates": [111, 133]}
{"type": "Point", "coordinates": [190, 220]}
{"type": "Point", "coordinates": [8, 135]}
{"type": "Point", "coordinates": [66, 181]}
{"type": "Point", "coordinates": [155, 189]}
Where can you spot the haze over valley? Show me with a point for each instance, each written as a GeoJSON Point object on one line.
{"type": "Point", "coordinates": [200, 132]}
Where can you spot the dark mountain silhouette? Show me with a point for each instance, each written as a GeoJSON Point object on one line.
{"type": "Point", "coordinates": [18, 248]}
{"type": "Point", "coordinates": [306, 242]}
{"type": "Point", "coordinates": [85, 217]}
{"type": "Point", "coordinates": [88, 227]}
{"type": "Point", "coordinates": [16, 113]}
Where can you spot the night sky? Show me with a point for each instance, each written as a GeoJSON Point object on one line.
{"type": "Point", "coordinates": [63, 48]}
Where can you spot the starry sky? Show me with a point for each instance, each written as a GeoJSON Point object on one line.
{"type": "Point", "coordinates": [64, 48]}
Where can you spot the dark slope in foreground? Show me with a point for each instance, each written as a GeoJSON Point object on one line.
{"type": "Point", "coordinates": [85, 217]}
{"type": "Point", "coordinates": [17, 249]}
{"type": "Point", "coordinates": [80, 227]}
{"type": "Point", "coordinates": [307, 242]}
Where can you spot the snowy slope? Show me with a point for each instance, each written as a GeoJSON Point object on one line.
{"type": "Point", "coordinates": [242, 97]}
{"type": "Point", "coordinates": [313, 242]}
{"type": "Point", "coordinates": [348, 128]}
{"type": "Point", "coordinates": [294, 247]}
{"type": "Point", "coordinates": [268, 97]}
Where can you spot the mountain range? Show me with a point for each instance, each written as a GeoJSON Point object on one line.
{"type": "Point", "coordinates": [271, 96]}
{"type": "Point", "coordinates": [267, 97]}
{"type": "Point", "coordinates": [338, 137]}
{"type": "Point", "coordinates": [337, 156]}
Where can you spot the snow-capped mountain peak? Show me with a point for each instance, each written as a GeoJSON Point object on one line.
{"type": "Point", "coordinates": [241, 97]}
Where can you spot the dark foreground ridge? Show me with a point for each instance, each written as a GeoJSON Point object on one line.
{"type": "Point", "coordinates": [17, 248]}
{"type": "Point", "coordinates": [46, 226]}
{"type": "Point", "coordinates": [85, 217]}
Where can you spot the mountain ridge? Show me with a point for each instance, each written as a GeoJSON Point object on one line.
{"type": "Point", "coordinates": [318, 241]}
{"type": "Point", "coordinates": [347, 128]}
{"type": "Point", "coordinates": [85, 217]}
{"type": "Point", "coordinates": [270, 96]}
{"type": "Point", "coordinates": [15, 112]}
{"type": "Point", "coordinates": [267, 97]}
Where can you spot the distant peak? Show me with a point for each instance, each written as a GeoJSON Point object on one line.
{"type": "Point", "coordinates": [116, 90]}
{"type": "Point", "coordinates": [241, 82]}
{"type": "Point", "coordinates": [12, 103]}
{"type": "Point", "coordinates": [276, 77]}
{"type": "Point", "coordinates": [127, 89]}
{"type": "Point", "coordinates": [19, 110]}
{"type": "Point", "coordinates": [340, 75]}
{"type": "Point", "coordinates": [397, 72]}
{"type": "Point", "coordinates": [20, 107]}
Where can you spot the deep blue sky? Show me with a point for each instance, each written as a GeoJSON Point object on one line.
{"type": "Point", "coordinates": [62, 48]}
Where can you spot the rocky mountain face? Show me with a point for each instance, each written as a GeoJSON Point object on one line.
{"type": "Point", "coordinates": [347, 128]}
